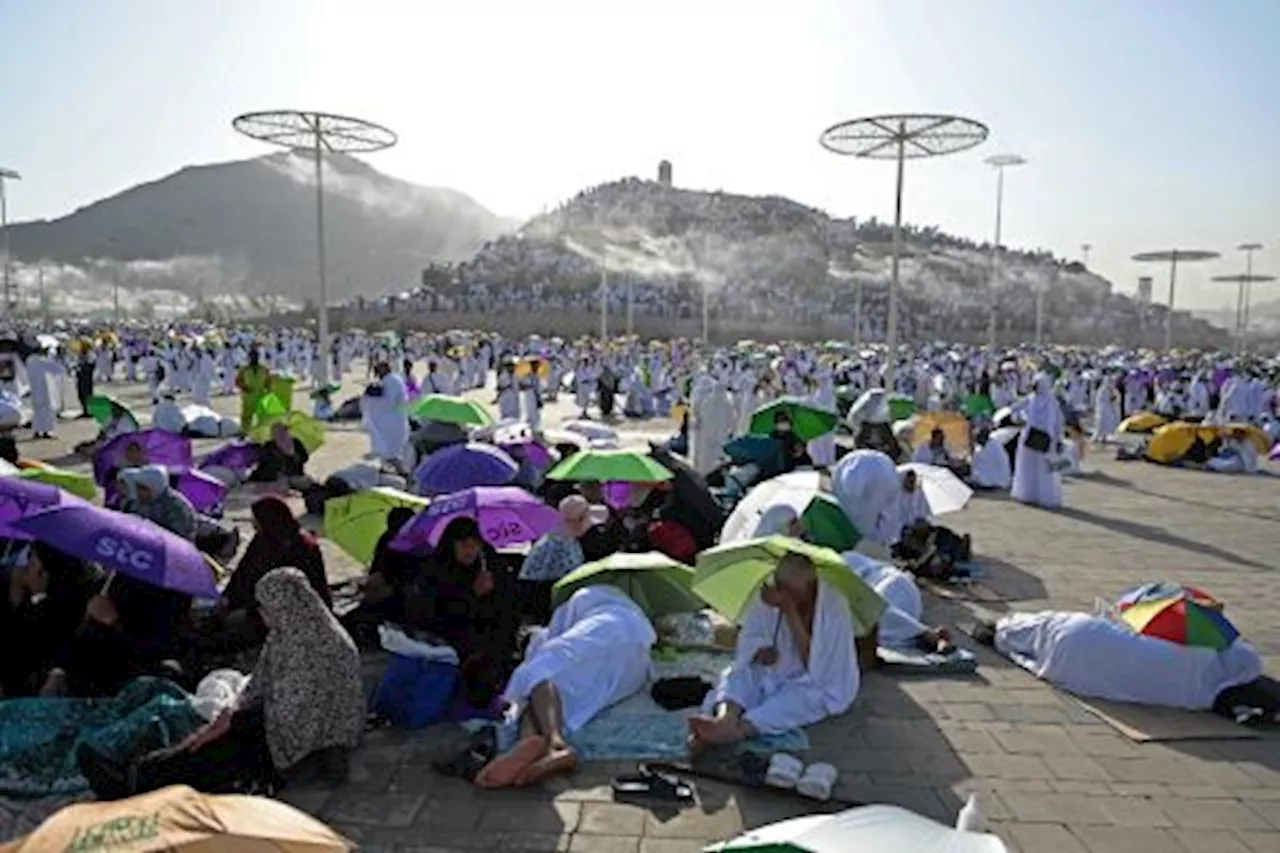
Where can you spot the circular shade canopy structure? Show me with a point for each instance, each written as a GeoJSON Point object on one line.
{"type": "Point", "coordinates": [1173, 257]}
{"type": "Point", "coordinates": [1243, 281]}
{"type": "Point", "coordinates": [320, 133]}
{"type": "Point", "coordinates": [907, 136]}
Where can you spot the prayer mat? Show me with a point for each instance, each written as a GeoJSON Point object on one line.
{"type": "Point", "coordinates": [721, 764]}
{"type": "Point", "coordinates": [1150, 724]}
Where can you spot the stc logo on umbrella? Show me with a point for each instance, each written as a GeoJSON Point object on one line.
{"type": "Point", "coordinates": [116, 551]}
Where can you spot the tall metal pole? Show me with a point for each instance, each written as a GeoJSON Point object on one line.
{"type": "Point", "coordinates": [115, 291]}
{"type": "Point", "coordinates": [706, 287]}
{"type": "Point", "coordinates": [323, 322]}
{"type": "Point", "coordinates": [891, 334]}
{"type": "Point", "coordinates": [604, 304]}
{"type": "Point", "coordinates": [1238, 338]}
{"type": "Point", "coordinates": [4, 225]}
{"type": "Point", "coordinates": [44, 312]}
{"type": "Point", "coordinates": [1173, 286]}
{"type": "Point", "coordinates": [1248, 249]}
{"type": "Point", "coordinates": [995, 265]}
{"type": "Point", "coordinates": [630, 304]}
{"type": "Point", "coordinates": [1085, 247]}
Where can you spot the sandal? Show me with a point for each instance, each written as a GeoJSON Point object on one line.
{"type": "Point", "coordinates": [652, 784]}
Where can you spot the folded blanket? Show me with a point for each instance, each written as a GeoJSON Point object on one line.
{"type": "Point", "coordinates": [39, 737]}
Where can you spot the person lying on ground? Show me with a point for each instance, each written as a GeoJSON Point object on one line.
{"type": "Point", "coordinates": [594, 654]}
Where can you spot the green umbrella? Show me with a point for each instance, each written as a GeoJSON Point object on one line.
{"type": "Point", "coordinates": [901, 407]}
{"type": "Point", "coordinates": [729, 575]}
{"type": "Point", "coordinates": [826, 524]}
{"type": "Point", "coordinates": [978, 404]}
{"type": "Point", "coordinates": [657, 583]}
{"type": "Point", "coordinates": [103, 409]}
{"type": "Point", "coordinates": [808, 421]}
{"type": "Point", "coordinates": [610, 466]}
{"type": "Point", "coordinates": [445, 409]}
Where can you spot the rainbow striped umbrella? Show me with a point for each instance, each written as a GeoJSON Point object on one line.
{"type": "Point", "coordinates": [1163, 590]}
{"type": "Point", "coordinates": [1181, 620]}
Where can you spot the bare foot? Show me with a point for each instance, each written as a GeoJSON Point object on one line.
{"type": "Point", "coordinates": [502, 771]}
{"type": "Point", "coordinates": [558, 760]}
{"type": "Point", "coordinates": [716, 730]}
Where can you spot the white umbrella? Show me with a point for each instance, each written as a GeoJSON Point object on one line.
{"type": "Point", "coordinates": [944, 491]}
{"type": "Point", "coordinates": [871, 407]}
{"type": "Point", "coordinates": [795, 490]}
{"type": "Point", "coordinates": [1004, 435]}
{"type": "Point", "coordinates": [1006, 412]}
{"type": "Point", "coordinates": [869, 829]}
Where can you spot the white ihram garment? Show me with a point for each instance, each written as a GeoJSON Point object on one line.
{"type": "Point", "coordinates": [1093, 656]}
{"type": "Point", "coordinates": [788, 694]}
{"type": "Point", "coordinates": [595, 651]}
{"type": "Point", "coordinates": [900, 624]}
{"type": "Point", "coordinates": [1034, 480]}
{"type": "Point", "coordinates": [385, 420]}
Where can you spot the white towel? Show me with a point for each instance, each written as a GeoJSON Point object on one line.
{"type": "Point", "coordinates": [818, 781]}
{"type": "Point", "coordinates": [784, 771]}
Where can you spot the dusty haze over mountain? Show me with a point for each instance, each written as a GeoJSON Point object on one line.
{"type": "Point", "coordinates": [248, 227]}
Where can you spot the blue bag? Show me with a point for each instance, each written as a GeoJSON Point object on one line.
{"type": "Point", "coordinates": [414, 692]}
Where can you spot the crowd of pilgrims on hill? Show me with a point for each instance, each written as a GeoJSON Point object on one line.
{"type": "Point", "coordinates": [73, 631]}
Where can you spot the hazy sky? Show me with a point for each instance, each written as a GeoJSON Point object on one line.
{"type": "Point", "coordinates": [1146, 123]}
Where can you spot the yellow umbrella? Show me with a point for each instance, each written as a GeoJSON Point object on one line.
{"type": "Point", "coordinates": [525, 366]}
{"type": "Point", "coordinates": [953, 425]}
{"type": "Point", "coordinates": [179, 818]}
{"type": "Point", "coordinates": [1142, 422]}
{"type": "Point", "coordinates": [355, 522]}
{"type": "Point", "coordinates": [1171, 442]}
{"type": "Point", "coordinates": [304, 428]}
{"type": "Point", "coordinates": [74, 482]}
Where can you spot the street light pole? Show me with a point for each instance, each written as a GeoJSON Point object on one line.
{"type": "Point", "coordinates": [7, 175]}
{"type": "Point", "coordinates": [999, 162]}
{"type": "Point", "coordinates": [604, 304]}
{"type": "Point", "coordinates": [1248, 249]}
{"type": "Point", "coordinates": [1084, 248]}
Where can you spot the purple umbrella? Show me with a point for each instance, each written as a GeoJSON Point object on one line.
{"type": "Point", "coordinates": [237, 456]}
{"type": "Point", "coordinates": [123, 543]}
{"type": "Point", "coordinates": [205, 492]}
{"type": "Point", "coordinates": [20, 498]}
{"type": "Point", "coordinates": [464, 466]}
{"type": "Point", "coordinates": [1275, 452]}
{"type": "Point", "coordinates": [507, 515]}
{"type": "Point", "coordinates": [528, 448]}
{"type": "Point", "coordinates": [154, 447]}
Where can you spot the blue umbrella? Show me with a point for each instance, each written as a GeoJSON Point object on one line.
{"type": "Point", "coordinates": [464, 466]}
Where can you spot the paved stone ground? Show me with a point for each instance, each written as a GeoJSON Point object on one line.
{"type": "Point", "coordinates": [1051, 776]}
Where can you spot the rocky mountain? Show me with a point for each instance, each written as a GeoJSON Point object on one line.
{"type": "Point", "coordinates": [773, 260]}
{"type": "Point", "coordinates": [248, 227]}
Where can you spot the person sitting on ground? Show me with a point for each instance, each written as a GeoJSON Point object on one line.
{"type": "Point", "coordinates": [935, 452]}
{"type": "Point", "coordinates": [130, 628]}
{"type": "Point", "coordinates": [392, 578]}
{"type": "Point", "coordinates": [279, 541]}
{"type": "Point", "coordinates": [991, 468]}
{"type": "Point", "coordinates": [458, 601]}
{"type": "Point", "coordinates": [1098, 657]}
{"type": "Point", "coordinates": [900, 627]}
{"type": "Point", "coordinates": [45, 603]}
{"type": "Point", "coordinates": [795, 663]}
{"type": "Point", "coordinates": [305, 698]}
{"type": "Point", "coordinates": [1237, 454]}
{"type": "Point", "coordinates": [282, 459]}
{"type": "Point", "coordinates": [149, 495]}
{"type": "Point", "coordinates": [594, 654]}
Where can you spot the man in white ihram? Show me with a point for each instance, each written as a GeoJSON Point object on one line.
{"type": "Point", "coordinates": [794, 666]}
{"type": "Point", "coordinates": [383, 412]}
